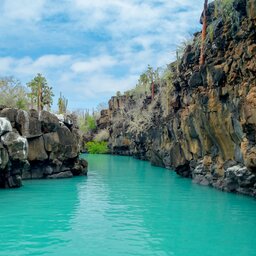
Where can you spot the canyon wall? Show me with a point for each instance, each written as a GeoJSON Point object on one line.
{"type": "Point", "coordinates": [36, 146]}
{"type": "Point", "coordinates": [204, 125]}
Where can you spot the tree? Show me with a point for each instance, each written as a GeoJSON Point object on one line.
{"type": "Point", "coordinates": [202, 57]}
{"type": "Point", "coordinates": [13, 94]}
{"type": "Point", "coordinates": [62, 104]}
{"type": "Point", "coordinates": [41, 94]}
{"type": "Point", "coordinates": [47, 97]}
{"type": "Point", "coordinates": [152, 77]}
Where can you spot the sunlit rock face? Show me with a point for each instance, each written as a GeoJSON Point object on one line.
{"type": "Point", "coordinates": [5, 126]}
{"type": "Point", "coordinates": [205, 126]}
{"type": "Point", "coordinates": [36, 146]}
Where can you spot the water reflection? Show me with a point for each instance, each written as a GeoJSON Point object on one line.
{"type": "Point", "coordinates": [35, 218]}
{"type": "Point", "coordinates": [125, 207]}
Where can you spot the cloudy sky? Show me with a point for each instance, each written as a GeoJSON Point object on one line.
{"type": "Point", "coordinates": [89, 49]}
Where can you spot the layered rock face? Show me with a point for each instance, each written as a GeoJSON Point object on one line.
{"type": "Point", "coordinates": [204, 125]}
{"type": "Point", "coordinates": [34, 146]}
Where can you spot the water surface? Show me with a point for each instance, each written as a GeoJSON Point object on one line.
{"type": "Point", "coordinates": [125, 207]}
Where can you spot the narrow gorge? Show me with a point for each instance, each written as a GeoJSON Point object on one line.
{"type": "Point", "coordinates": [202, 123]}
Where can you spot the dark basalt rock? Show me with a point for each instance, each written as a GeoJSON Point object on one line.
{"type": "Point", "coordinates": [16, 145]}
{"type": "Point", "coordinates": [195, 80]}
{"type": "Point", "coordinates": [204, 127]}
{"type": "Point", "coordinates": [33, 147]}
{"type": "Point", "coordinates": [5, 126]}
{"type": "Point", "coordinates": [61, 175]}
{"type": "Point", "coordinates": [10, 114]}
{"type": "Point", "coordinates": [49, 122]}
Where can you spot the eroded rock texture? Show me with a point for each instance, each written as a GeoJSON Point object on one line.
{"type": "Point", "coordinates": [204, 126]}
{"type": "Point", "coordinates": [36, 146]}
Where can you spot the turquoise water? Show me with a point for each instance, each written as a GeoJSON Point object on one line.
{"type": "Point", "coordinates": [125, 207]}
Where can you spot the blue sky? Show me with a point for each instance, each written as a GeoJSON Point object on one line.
{"type": "Point", "coordinates": [88, 50]}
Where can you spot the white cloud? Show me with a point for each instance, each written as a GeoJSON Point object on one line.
{"type": "Point", "coordinates": [94, 64]}
{"type": "Point", "coordinates": [68, 75]}
{"type": "Point", "coordinates": [23, 9]}
{"type": "Point", "coordinates": [51, 61]}
{"type": "Point", "coordinates": [91, 48]}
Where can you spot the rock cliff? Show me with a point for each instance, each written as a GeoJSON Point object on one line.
{"type": "Point", "coordinates": [204, 125]}
{"type": "Point", "coordinates": [34, 146]}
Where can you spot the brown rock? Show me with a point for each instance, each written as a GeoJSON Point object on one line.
{"type": "Point", "coordinates": [36, 150]}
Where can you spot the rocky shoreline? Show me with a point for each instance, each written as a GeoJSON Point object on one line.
{"type": "Point", "coordinates": [37, 146]}
{"type": "Point", "coordinates": [206, 127]}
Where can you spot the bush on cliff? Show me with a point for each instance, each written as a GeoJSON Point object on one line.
{"type": "Point", "coordinates": [87, 123]}
{"type": "Point", "coordinates": [95, 147]}
{"type": "Point", "coordinates": [102, 135]}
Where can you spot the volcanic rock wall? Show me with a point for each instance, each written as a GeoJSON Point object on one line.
{"type": "Point", "coordinates": [208, 132]}
{"type": "Point", "coordinates": [34, 146]}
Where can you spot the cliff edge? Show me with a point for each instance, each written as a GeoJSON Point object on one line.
{"type": "Point", "coordinates": [36, 146]}
{"type": "Point", "coordinates": [203, 125]}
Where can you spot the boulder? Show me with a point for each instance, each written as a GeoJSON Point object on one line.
{"type": "Point", "coordinates": [80, 167]}
{"type": "Point", "coordinates": [240, 176]}
{"type": "Point", "coordinates": [26, 171]}
{"type": "Point", "coordinates": [51, 142]}
{"type": "Point", "coordinates": [34, 113]}
{"type": "Point", "coordinates": [48, 170]}
{"type": "Point", "coordinates": [14, 181]}
{"type": "Point", "coordinates": [68, 121]}
{"type": "Point", "coordinates": [37, 172]}
{"type": "Point", "coordinates": [195, 80]}
{"type": "Point", "coordinates": [49, 121]}
{"type": "Point", "coordinates": [69, 146]}
{"type": "Point", "coordinates": [35, 126]}
{"type": "Point", "coordinates": [22, 122]}
{"type": "Point", "coordinates": [47, 148]}
{"type": "Point", "coordinates": [26, 175]}
{"type": "Point", "coordinates": [36, 149]}
{"type": "Point", "coordinates": [60, 117]}
{"type": "Point", "coordinates": [4, 157]}
{"type": "Point", "coordinates": [10, 114]}
{"type": "Point", "coordinates": [5, 126]}
{"type": "Point", "coordinates": [17, 146]}
{"type": "Point", "coordinates": [61, 175]}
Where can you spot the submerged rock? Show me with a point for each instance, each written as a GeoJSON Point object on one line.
{"type": "Point", "coordinates": [61, 175]}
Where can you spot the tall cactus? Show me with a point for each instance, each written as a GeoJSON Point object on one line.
{"type": "Point", "coordinates": [202, 57]}
{"type": "Point", "coordinates": [62, 104]}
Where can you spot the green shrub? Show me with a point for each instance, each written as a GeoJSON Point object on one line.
{"type": "Point", "coordinates": [211, 32]}
{"type": "Point", "coordinates": [87, 123]}
{"type": "Point", "coordinates": [13, 94]}
{"type": "Point", "coordinates": [225, 8]}
{"type": "Point", "coordinates": [95, 147]}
